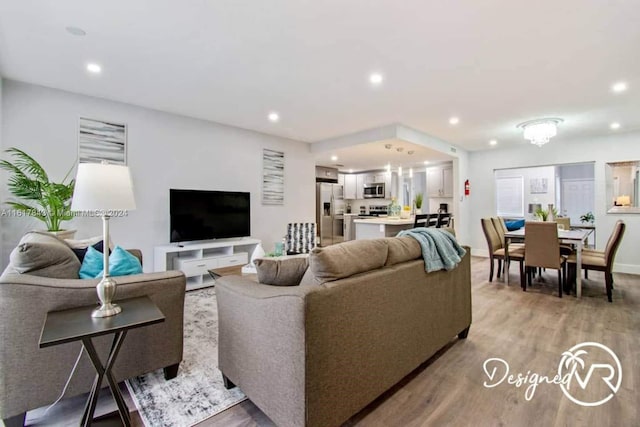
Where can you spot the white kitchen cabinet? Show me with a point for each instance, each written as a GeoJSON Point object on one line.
{"type": "Point", "coordinates": [440, 182]}
{"type": "Point", "coordinates": [341, 178]}
{"type": "Point", "coordinates": [360, 181]}
{"type": "Point", "coordinates": [350, 186]}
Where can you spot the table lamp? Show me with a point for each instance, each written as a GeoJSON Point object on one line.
{"type": "Point", "coordinates": [101, 189]}
{"type": "Point", "coordinates": [623, 201]}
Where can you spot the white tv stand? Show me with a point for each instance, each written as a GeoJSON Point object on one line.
{"type": "Point", "coordinates": [195, 259]}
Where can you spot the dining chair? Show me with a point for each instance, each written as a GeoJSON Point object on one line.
{"type": "Point", "coordinates": [496, 249]}
{"type": "Point", "coordinates": [565, 222]}
{"type": "Point", "coordinates": [501, 229]}
{"type": "Point", "coordinates": [443, 220]}
{"type": "Point", "coordinates": [543, 250]}
{"type": "Point", "coordinates": [421, 220]}
{"type": "Point", "coordinates": [601, 261]}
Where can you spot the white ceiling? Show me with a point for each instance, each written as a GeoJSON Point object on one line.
{"type": "Point", "coordinates": [493, 63]}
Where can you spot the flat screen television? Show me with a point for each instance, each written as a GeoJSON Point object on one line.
{"type": "Point", "coordinates": [205, 215]}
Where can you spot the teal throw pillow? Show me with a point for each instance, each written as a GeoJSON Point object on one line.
{"type": "Point", "coordinates": [121, 263]}
{"type": "Point", "coordinates": [92, 264]}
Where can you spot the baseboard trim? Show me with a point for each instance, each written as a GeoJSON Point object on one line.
{"type": "Point", "coordinates": [626, 268]}
{"type": "Point", "coordinates": [480, 252]}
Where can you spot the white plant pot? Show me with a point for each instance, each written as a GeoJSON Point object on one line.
{"type": "Point", "coordinates": [63, 234]}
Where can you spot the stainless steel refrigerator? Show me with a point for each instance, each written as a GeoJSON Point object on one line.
{"type": "Point", "coordinates": [330, 213]}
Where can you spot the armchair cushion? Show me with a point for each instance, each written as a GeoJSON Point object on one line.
{"type": "Point", "coordinates": [281, 271]}
{"type": "Point", "coordinates": [44, 259]}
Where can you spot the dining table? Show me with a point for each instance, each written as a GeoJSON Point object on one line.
{"type": "Point", "coordinates": [576, 237]}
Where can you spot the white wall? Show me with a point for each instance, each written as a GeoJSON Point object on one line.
{"type": "Point", "coordinates": [164, 151]}
{"type": "Point", "coordinates": [529, 174]}
{"type": "Point", "coordinates": [611, 148]}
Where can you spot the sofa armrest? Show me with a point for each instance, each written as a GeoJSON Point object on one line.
{"type": "Point", "coordinates": [31, 377]}
{"type": "Point", "coordinates": [261, 343]}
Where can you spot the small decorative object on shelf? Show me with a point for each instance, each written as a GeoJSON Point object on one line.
{"type": "Point", "coordinates": [551, 214]}
{"type": "Point", "coordinates": [588, 217]}
{"type": "Point", "coordinates": [394, 208]}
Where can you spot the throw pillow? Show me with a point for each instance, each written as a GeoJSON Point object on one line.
{"type": "Point", "coordinates": [281, 271]}
{"type": "Point", "coordinates": [81, 252]}
{"type": "Point", "coordinates": [91, 264]}
{"type": "Point", "coordinates": [121, 263]}
{"type": "Point", "coordinates": [53, 260]}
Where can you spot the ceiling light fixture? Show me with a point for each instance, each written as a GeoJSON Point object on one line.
{"type": "Point", "coordinates": [376, 79]}
{"type": "Point", "coordinates": [619, 87]}
{"type": "Point", "coordinates": [334, 158]}
{"type": "Point", "coordinates": [410, 172]}
{"type": "Point", "coordinates": [388, 146]}
{"type": "Point", "coordinates": [274, 117]}
{"type": "Point", "coordinates": [76, 31]}
{"type": "Point", "coordinates": [454, 120]}
{"type": "Point", "coordinates": [493, 142]}
{"type": "Point", "coordinates": [540, 131]}
{"type": "Point", "coordinates": [614, 125]}
{"type": "Point", "coordinates": [426, 162]}
{"type": "Point", "coordinates": [94, 68]}
{"type": "Point", "coordinates": [399, 170]}
{"type": "Point", "coordinates": [410, 152]}
{"type": "Point", "coordinates": [400, 149]}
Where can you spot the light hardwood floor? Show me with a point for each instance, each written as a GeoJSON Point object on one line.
{"type": "Point", "coordinates": [529, 330]}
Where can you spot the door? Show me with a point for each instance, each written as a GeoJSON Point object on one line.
{"type": "Point", "coordinates": [577, 198]}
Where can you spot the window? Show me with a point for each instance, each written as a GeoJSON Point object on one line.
{"type": "Point", "coordinates": [509, 196]}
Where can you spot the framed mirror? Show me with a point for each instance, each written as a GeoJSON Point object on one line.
{"type": "Point", "coordinates": [622, 187]}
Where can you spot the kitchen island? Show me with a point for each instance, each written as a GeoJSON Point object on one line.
{"type": "Point", "coordinates": [374, 228]}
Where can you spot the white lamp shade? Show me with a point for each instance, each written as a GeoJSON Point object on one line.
{"type": "Point", "coordinates": [103, 187]}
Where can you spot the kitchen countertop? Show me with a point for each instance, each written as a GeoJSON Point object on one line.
{"type": "Point", "coordinates": [385, 221]}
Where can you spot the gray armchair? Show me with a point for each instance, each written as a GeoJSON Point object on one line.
{"type": "Point", "coordinates": [31, 377]}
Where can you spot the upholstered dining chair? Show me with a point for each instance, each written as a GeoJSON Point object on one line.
{"type": "Point", "coordinates": [601, 261]}
{"type": "Point", "coordinates": [496, 249]}
{"type": "Point", "coordinates": [543, 250]}
{"type": "Point", "coordinates": [421, 220]}
{"type": "Point", "coordinates": [300, 238]}
{"type": "Point", "coordinates": [564, 221]}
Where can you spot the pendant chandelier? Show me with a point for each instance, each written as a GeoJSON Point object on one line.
{"type": "Point", "coordinates": [540, 131]}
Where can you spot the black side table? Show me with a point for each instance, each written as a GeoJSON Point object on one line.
{"type": "Point", "coordinates": [76, 324]}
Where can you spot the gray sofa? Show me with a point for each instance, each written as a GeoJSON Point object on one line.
{"type": "Point", "coordinates": [31, 377]}
{"type": "Point", "coordinates": [363, 317]}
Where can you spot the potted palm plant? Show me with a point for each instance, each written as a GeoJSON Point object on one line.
{"type": "Point", "coordinates": [47, 201]}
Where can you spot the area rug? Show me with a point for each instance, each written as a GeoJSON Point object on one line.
{"type": "Point", "coordinates": [197, 393]}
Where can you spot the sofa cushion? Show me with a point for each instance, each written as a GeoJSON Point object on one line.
{"type": "Point", "coordinates": [402, 249]}
{"type": "Point", "coordinates": [348, 258]}
{"type": "Point", "coordinates": [286, 271]}
{"type": "Point", "coordinates": [46, 259]}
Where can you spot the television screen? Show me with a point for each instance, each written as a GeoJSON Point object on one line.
{"type": "Point", "coordinates": [204, 215]}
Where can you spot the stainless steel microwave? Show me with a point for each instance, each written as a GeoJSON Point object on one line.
{"type": "Point", "coordinates": [374, 191]}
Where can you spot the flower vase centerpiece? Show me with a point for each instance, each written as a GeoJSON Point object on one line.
{"type": "Point", "coordinates": [394, 208]}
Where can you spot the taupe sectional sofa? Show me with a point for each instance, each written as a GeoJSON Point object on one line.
{"type": "Point", "coordinates": [363, 317]}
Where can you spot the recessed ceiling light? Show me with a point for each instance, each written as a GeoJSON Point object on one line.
{"type": "Point", "coordinates": [334, 158]}
{"type": "Point", "coordinates": [376, 78]}
{"type": "Point", "coordinates": [94, 68]}
{"type": "Point", "coordinates": [426, 162]}
{"type": "Point", "coordinates": [493, 142]}
{"type": "Point", "coordinates": [274, 117]}
{"type": "Point", "coordinates": [76, 31]}
{"type": "Point", "coordinates": [619, 87]}
{"type": "Point", "coordinates": [614, 125]}
{"type": "Point", "coordinates": [454, 121]}
{"type": "Point", "coordinates": [350, 170]}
